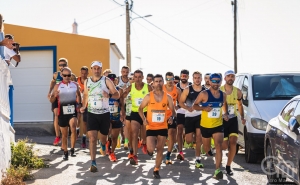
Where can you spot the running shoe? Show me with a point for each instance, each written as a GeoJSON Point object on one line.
{"type": "Point", "coordinates": [102, 152]}
{"type": "Point", "coordinates": [228, 171]}
{"type": "Point", "coordinates": [218, 174]}
{"type": "Point", "coordinates": [72, 152]}
{"type": "Point", "coordinates": [168, 160]}
{"type": "Point", "coordinates": [175, 148]}
{"type": "Point", "coordinates": [180, 156]}
{"type": "Point", "coordinates": [93, 168]}
{"type": "Point", "coordinates": [144, 148]}
{"type": "Point", "coordinates": [66, 156]}
{"type": "Point", "coordinates": [198, 164]}
{"type": "Point", "coordinates": [134, 160]}
{"type": "Point", "coordinates": [57, 140]}
{"type": "Point", "coordinates": [156, 174]}
{"type": "Point", "coordinates": [112, 157]}
{"type": "Point", "coordinates": [125, 146]}
{"type": "Point", "coordinates": [130, 155]}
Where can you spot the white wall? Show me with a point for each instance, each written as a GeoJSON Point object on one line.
{"type": "Point", "coordinates": [7, 133]}
{"type": "Point", "coordinates": [114, 63]}
{"type": "Point", "coordinates": [31, 81]}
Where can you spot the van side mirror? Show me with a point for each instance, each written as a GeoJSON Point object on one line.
{"type": "Point", "coordinates": [245, 98]}
{"type": "Point", "coordinates": [293, 125]}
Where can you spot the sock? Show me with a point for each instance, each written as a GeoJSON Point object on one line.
{"type": "Point", "coordinates": [103, 147]}
{"type": "Point", "coordinates": [181, 152]}
{"type": "Point", "coordinates": [168, 154]}
{"type": "Point", "coordinates": [227, 167]}
{"type": "Point", "coordinates": [198, 158]}
{"type": "Point", "coordinates": [83, 135]}
{"type": "Point", "coordinates": [126, 141]}
{"type": "Point", "coordinates": [94, 162]}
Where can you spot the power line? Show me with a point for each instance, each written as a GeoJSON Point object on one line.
{"type": "Point", "coordinates": [191, 47]}
{"type": "Point", "coordinates": [94, 17]}
{"type": "Point", "coordinates": [101, 23]}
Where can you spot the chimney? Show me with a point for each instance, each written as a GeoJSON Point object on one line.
{"type": "Point", "coordinates": [75, 25]}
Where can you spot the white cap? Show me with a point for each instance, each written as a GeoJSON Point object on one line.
{"type": "Point", "coordinates": [96, 63]}
{"type": "Point", "coordinates": [230, 72]}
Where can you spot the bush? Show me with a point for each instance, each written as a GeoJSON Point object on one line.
{"type": "Point", "coordinates": [23, 160]}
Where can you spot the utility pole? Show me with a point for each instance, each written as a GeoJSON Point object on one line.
{"type": "Point", "coordinates": [235, 35]}
{"type": "Point", "coordinates": [128, 50]}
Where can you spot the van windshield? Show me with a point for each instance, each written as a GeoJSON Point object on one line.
{"type": "Point", "coordinates": [276, 87]}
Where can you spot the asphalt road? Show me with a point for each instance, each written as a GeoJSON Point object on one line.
{"type": "Point", "coordinates": [76, 169]}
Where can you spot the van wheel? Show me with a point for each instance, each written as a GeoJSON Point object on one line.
{"type": "Point", "coordinates": [250, 156]}
{"type": "Point", "coordinates": [269, 166]}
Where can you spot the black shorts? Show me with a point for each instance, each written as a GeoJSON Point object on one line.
{"type": "Point", "coordinates": [208, 132]}
{"type": "Point", "coordinates": [128, 118]}
{"type": "Point", "coordinates": [99, 122]}
{"type": "Point", "coordinates": [116, 124]}
{"type": "Point", "coordinates": [161, 132]}
{"type": "Point", "coordinates": [231, 128]}
{"type": "Point", "coordinates": [180, 119]}
{"type": "Point", "coordinates": [63, 120]}
{"type": "Point", "coordinates": [54, 105]}
{"type": "Point", "coordinates": [136, 117]}
{"type": "Point", "coordinates": [84, 116]}
{"type": "Point", "coordinates": [191, 124]}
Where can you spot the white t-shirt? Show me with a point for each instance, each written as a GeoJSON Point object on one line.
{"type": "Point", "coordinates": [8, 53]}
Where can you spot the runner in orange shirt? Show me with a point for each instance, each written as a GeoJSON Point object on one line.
{"type": "Point", "coordinates": [156, 121]}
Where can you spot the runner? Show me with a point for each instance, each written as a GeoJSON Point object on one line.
{"type": "Point", "coordinates": [211, 124]}
{"type": "Point", "coordinates": [62, 62]}
{"type": "Point", "coordinates": [66, 93]}
{"type": "Point", "coordinates": [156, 121]}
{"type": "Point", "coordinates": [176, 80]}
{"type": "Point", "coordinates": [84, 71]}
{"type": "Point", "coordinates": [149, 79]}
{"type": "Point", "coordinates": [171, 89]}
{"type": "Point", "coordinates": [184, 76]}
{"type": "Point", "coordinates": [97, 91]}
{"type": "Point", "coordinates": [128, 105]}
{"type": "Point", "coordinates": [207, 81]}
{"type": "Point", "coordinates": [234, 101]}
{"type": "Point", "coordinates": [192, 117]}
{"type": "Point", "coordinates": [116, 124]}
{"type": "Point", "coordinates": [138, 91]}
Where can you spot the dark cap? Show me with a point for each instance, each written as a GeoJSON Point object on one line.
{"type": "Point", "coordinates": [214, 75]}
{"type": "Point", "coordinates": [111, 76]}
{"type": "Point", "coordinates": [177, 78]}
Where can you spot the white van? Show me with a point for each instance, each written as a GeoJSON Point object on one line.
{"type": "Point", "coordinates": [264, 95]}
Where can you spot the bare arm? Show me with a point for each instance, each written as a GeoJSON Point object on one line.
{"type": "Point", "coordinates": [178, 97]}
{"type": "Point", "coordinates": [182, 100]}
{"type": "Point", "coordinates": [225, 107]}
{"type": "Point", "coordinates": [85, 97]}
{"type": "Point", "coordinates": [52, 84]}
{"type": "Point", "coordinates": [17, 57]}
{"type": "Point", "coordinates": [202, 97]}
{"type": "Point", "coordinates": [54, 94]}
{"type": "Point", "coordinates": [150, 88]}
{"type": "Point", "coordinates": [142, 106]}
{"type": "Point", "coordinates": [122, 99]}
{"type": "Point", "coordinates": [112, 88]}
{"type": "Point", "coordinates": [78, 95]}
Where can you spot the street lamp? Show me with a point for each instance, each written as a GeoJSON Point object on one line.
{"type": "Point", "coordinates": [128, 21]}
{"type": "Point", "coordinates": [140, 62]}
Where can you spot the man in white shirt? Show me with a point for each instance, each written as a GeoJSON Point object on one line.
{"type": "Point", "coordinates": [12, 52]}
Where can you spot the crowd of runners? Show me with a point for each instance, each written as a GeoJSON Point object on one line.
{"type": "Point", "coordinates": [168, 111]}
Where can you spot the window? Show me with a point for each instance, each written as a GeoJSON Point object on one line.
{"type": "Point", "coordinates": [288, 111]}
{"type": "Point", "coordinates": [297, 113]}
{"type": "Point", "coordinates": [276, 86]}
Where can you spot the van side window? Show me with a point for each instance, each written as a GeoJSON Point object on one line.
{"type": "Point", "coordinates": [245, 91]}
{"type": "Point", "coordinates": [288, 111]}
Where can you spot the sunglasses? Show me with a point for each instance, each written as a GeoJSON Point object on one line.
{"type": "Point", "coordinates": [215, 81]}
{"type": "Point", "coordinates": [169, 79]}
{"type": "Point", "coordinates": [62, 65]}
{"type": "Point", "coordinates": [64, 75]}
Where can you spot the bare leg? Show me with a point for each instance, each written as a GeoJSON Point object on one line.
{"type": "Point", "coordinates": [56, 126]}
{"type": "Point", "coordinates": [73, 123]}
{"type": "Point", "coordinates": [93, 141]}
{"type": "Point", "coordinates": [64, 131]}
{"type": "Point", "coordinates": [218, 138]}
{"type": "Point", "coordinates": [232, 149]}
{"type": "Point", "coordinates": [114, 138]}
{"type": "Point", "coordinates": [135, 126]}
{"type": "Point", "coordinates": [179, 136]}
{"type": "Point", "coordinates": [198, 142]}
{"type": "Point", "coordinates": [172, 138]}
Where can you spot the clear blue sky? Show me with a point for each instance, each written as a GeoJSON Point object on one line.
{"type": "Point", "coordinates": [268, 30]}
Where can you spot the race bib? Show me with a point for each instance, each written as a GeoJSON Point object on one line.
{"type": "Point", "coordinates": [128, 109]}
{"type": "Point", "coordinates": [113, 109]}
{"type": "Point", "coordinates": [138, 101]}
{"type": "Point", "coordinates": [214, 113]}
{"type": "Point", "coordinates": [158, 117]}
{"type": "Point", "coordinates": [230, 109]}
{"type": "Point", "coordinates": [97, 104]}
{"type": "Point", "coordinates": [70, 109]}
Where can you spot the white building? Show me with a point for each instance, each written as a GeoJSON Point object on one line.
{"type": "Point", "coordinates": [114, 58]}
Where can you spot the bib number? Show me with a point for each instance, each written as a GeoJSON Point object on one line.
{"type": "Point", "coordinates": [113, 109]}
{"type": "Point", "coordinates": [97, 104]}
{"type": "Point", "coordinates": [138, 101]}
{"type": "Point", "coordinates": [70, 109]}
{"type": "Point", "coordinates": [214, 113]}
{"type": "Point", "coordinates": [158, 117]}
{"type": "Point", "coordinates": [230, 109]}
